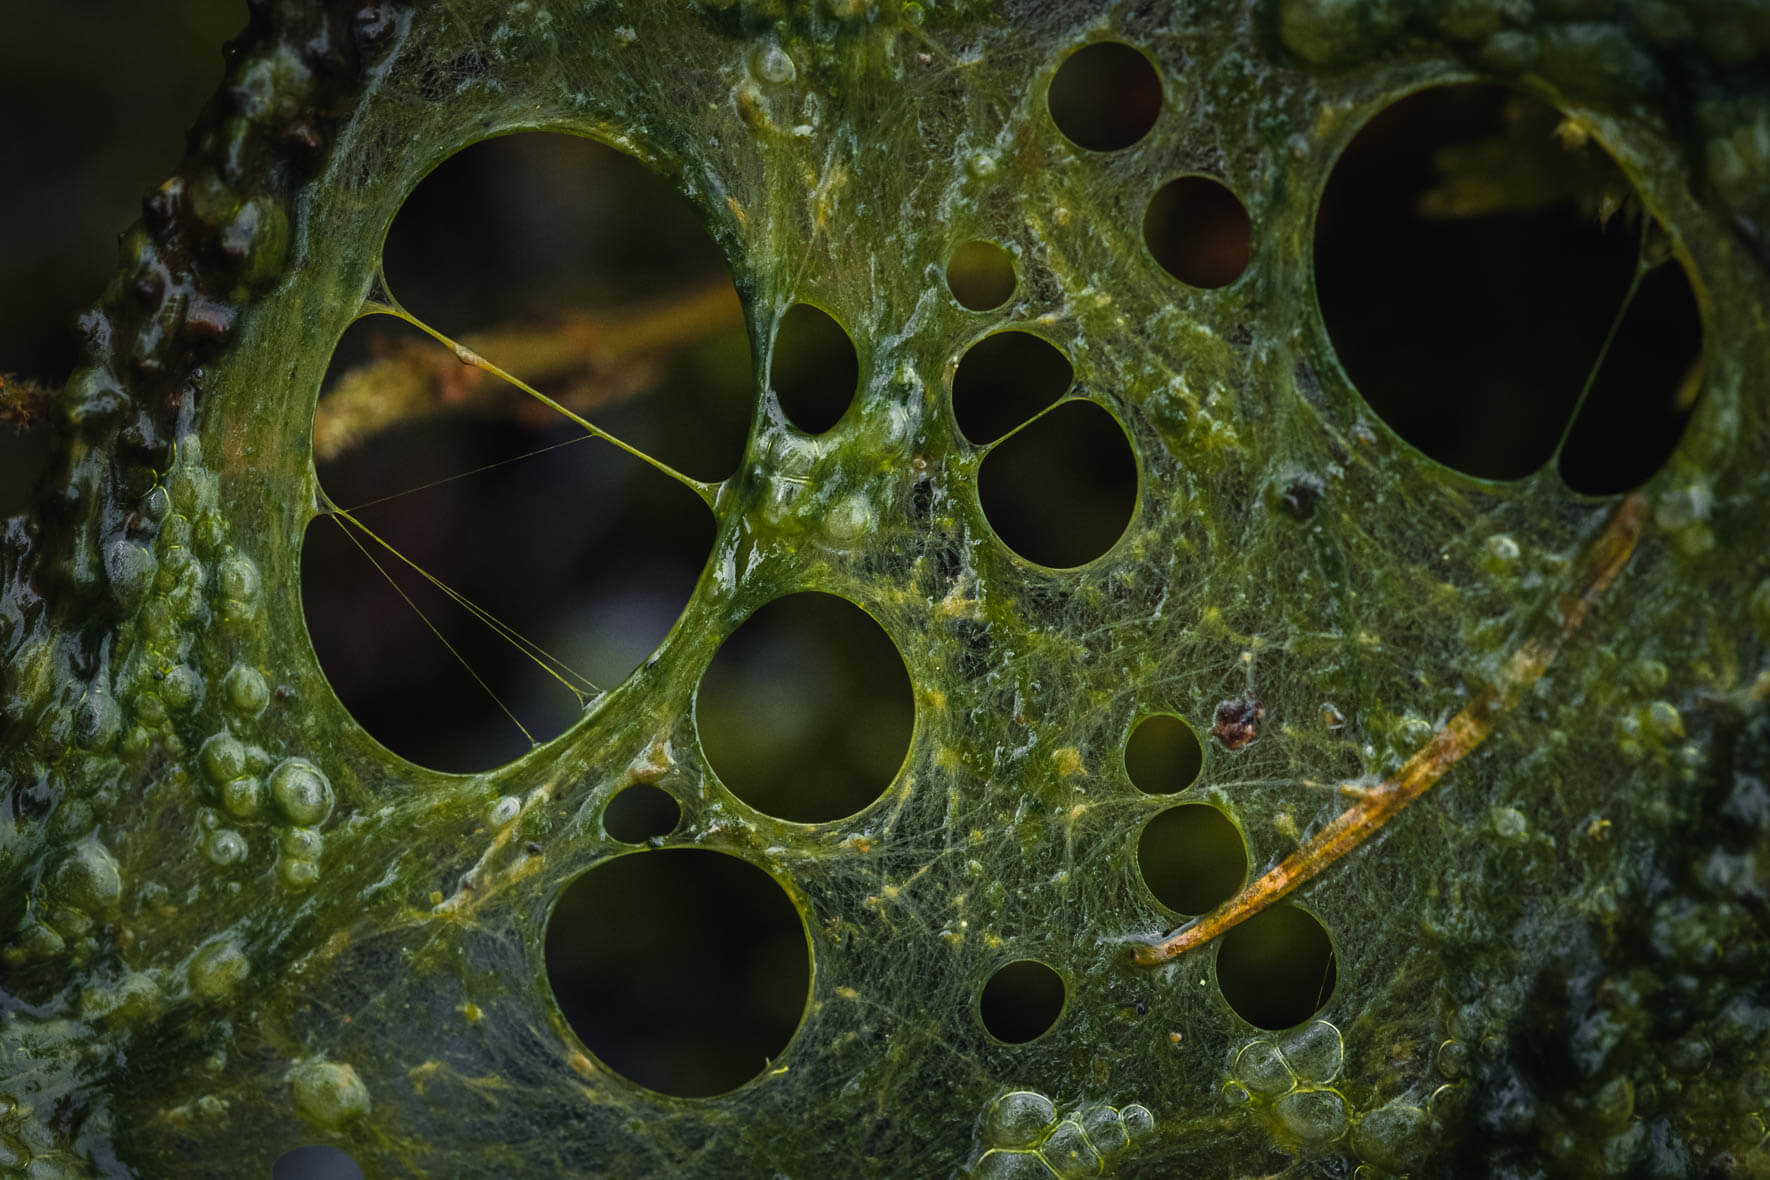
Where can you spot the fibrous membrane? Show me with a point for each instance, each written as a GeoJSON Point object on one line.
{"type": "Point", "coordinates": [238, 925]}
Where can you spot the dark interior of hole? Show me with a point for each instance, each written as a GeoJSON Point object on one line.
{"type": "Point", "coordinates": [1198, 231]}
{"type": "Point", "coordinates": [639, 813]}
{"type": "Point", "coordinates": [1105, 96]}
{"type": "Point", "coordinates": [980, 275]}
{"type": "Point", "coordinates": [543, 230]}
{"type": "Point", "coordinates": [1163, 755]}
{"type": "Point", "coordinates": [317, 1161]}
{"type": "Point", "coordinates": [681, 969]}
{"type": "Point", "coordinates": [1277, 969]}
{"type": "Point", "coordinates": [1471, 336]}
{"type": "Point", "coordinates": [1635, 414]}
{"type": "Point", "coordinates": [1192, 858]}
{"type": "Point", "coordinates": [1061, 491]}
{"type": "Point", "coordinates": [1021, 1000]}
{"type": "Point", "coordinates": [814, 370]}
{"type": "Point", "coordinates": [806, 711]}
{"type": "Point", "coordinates": [585, 550]}
{"type": "Point", "coordinates": [1004, 379]}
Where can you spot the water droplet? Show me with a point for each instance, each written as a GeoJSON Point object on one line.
{"type": "Point", "coordinates": [1018, 1118]}
{"type": "Point", "coordinates": [503, 811]}
{"type": "Point", "coordinates": [328, 1093]}
{"type": "Point", "coordinates": [217, 969]}
{"type": "Point", "coordinates": [773, 65]}
{"type": "Point", "coordinates": [1263, 1070]}
{"type": "Point", "coordinates": [1396, 1137]}
{"type": "Point", "coordinates": [1314, 1116]}
{"type": "Point", "coordinates": [1315, 1052]}
{"type": "Point", "coordinates": [1068, 1151]}
{"type": "Point", "coordinates": [227, 847]}
{"type": "Point", "coordinates": [302, 792]}
{"type": "Point", "coordinates": [243, 797]}
{"type": "Point", "coordinates": [222, 756]}
{"type": "Point", "coordinates": [246, 690]}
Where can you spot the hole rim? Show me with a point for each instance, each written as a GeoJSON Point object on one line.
{"type": "Point", "coordinates": [996, 250]}
{"type": "Point", "coordinates": [1068, 393]}
{"type": "Point", "coordinates": [643, 788]}
{"type": "Point", "coordinates": [1639, 180]}
{"type": "Point", "coordinates": [1106, 38]}
{"type": "Point", "coordinates": [1334, 959]}
{"type": "Point", "coordinates": [1167, 805]}
{"type": "Point", "coordinates": [769, 394]}
{"type": "Point", "coordinates": [568, 1033]}
{"type": "Point", "coordinates": [894, 786]}
{"type": "Point", "coordinates": [1004, 964]}
{"type": "Point", "coordinates": [1132, 518]}
{"type": "Point", "coordinates": [1248, 265]}
{"type": "Point", "coordinates": [1201, 753]}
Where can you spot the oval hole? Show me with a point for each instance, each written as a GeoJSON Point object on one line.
{"type": "Point", "coordinates": [1105, 96]}
{"type": "Point", "coordinates": [1005, 379]}
{"type": "Point", "coordinates": [806, 712]}
{"type": "Point", "coordinates": [641, 812]}
{"type": "Point", "coordinates": [980, 275]}
{"type": "Point", "coordinates": [1192, 858]}
{"type": "Point", "coordinates": [1163, 755]}
{"type": "Point", "coordinates": [814, 371]}
{"type": "Point", "coordinates": [318, 1161]}
{"type": "Point", "coordinates": [582, 554]}
{"type": "Point", "coordinates": [1021, 1001]}
{"type": "Point", "coordinates": [1061, 491]}
{"type": "Point", "coordinates": [1466, 278]}
{"type": "Point", "coordinates": [682, 969]}
{"type": "Point", "coordinates": [1199, 231]}
{"type": "Point", "coordinates": [1277, 969]}
{"type": "Point", "coordinates": [580, 270]}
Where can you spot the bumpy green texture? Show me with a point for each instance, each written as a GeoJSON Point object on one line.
{"type": "Point", "coordinates": [234, 924]}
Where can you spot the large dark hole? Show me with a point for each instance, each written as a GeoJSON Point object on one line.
{"type": "Point", "coordinates": [814, 370]}
{"type": "Point", "coordinates": [1163, 755]}
{"type": "Point", "coordinates": [1277, 968]}
{"type": "Point", "coordinates": [1192, 858]}
{"type": "Point", "coordinates": [806, 711]}
{"type": "Point", "coordinates": [682, 969]}
{"type": "Point", "coordinates": [579, 271]}
{"type": "Point", "coordinates": [1105, 96]}
{"type": "Point", "coordinates": [1061, 491]}
{"type": "Point", "coordinates": [1022, 1000]}
{"type": "Point", "coordinates": [1467, 277]}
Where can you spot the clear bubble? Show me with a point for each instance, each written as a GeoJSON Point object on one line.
{"type": "Point", "coordinates": [1018, 1118]}
{"type": "Point", "coordinates": [301, 791]}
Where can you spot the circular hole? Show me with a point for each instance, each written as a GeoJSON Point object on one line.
{"type": "Point", "coordinates": [1003, 380]}
{"type": "Point", "coordinates": [806, 711]}
{"type": "Point", "coordinates": [641, 813]}
{"type": "Point", "coordinates": [587, 552]}
{"type": "Point", "coordinates": [1021, 1001]}
{"type": "Point", "coordinates": [682, 969]}
{"type": "Point", "coordinates": [1061, 491]}
{"type": "Point", "coordinates": [1199, 231]}
{"type": "Point", "coordinates": [317, 1161]}
{"type": "Point", "coordinates": [814, 370]}
{"type": "Point", "coordinates": [1469, 263]}
{"type": "Point", "coordinates": [1105, 96]}
{"type": "Point", "coordinates": [1163, 755]}
{"type": "Point", "coordinates": [980, 275]}
{"type": "Point", "coordinates": [1192, 858]}
{"type": "Point", "coordinates": [1277, 968]}
{"type": "Point", "coordinates": [578, 269]}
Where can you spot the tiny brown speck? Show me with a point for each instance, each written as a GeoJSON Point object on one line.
{"type": "Point", "coordinates": [1238, 722]}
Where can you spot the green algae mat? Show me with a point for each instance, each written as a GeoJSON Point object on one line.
{"type": "Point", "coordinates": [1472, 815]}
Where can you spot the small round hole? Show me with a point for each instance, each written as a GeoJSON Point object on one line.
{"type": "Point", "coordinates": [640, 813]}
{"type": "Point", "coordinates": [814, 369]}
{"type": "Point", "coordinates": [1163, 755]}
{"type": "Point", "coordinates": [1106, 96]}
{"type": "Point", "coordinates": [1061, 491]}
{"type": "Point", "coordinates": [682, 969]}
{"type": "Point", "coordinates": [1277, 968]}
{"type": "Point", "coordinates": [1199, 232]}
{"type": "Point", "coordinates": [1021, 1001]}
{"type": "Point", "coordinates": [1192, 858]}
{"type": "Point", "coordinates": [317, 1161]}
{"type": "Point", "coordinates": [980, 275]}
{"type": "Point", "coordinates": [806, 712]}
{"type": "Point", "coordinates": [1003, 380]}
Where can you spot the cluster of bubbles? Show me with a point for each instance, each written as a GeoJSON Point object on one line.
{"type": "Point", "coordinates": [1025, 1137]}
